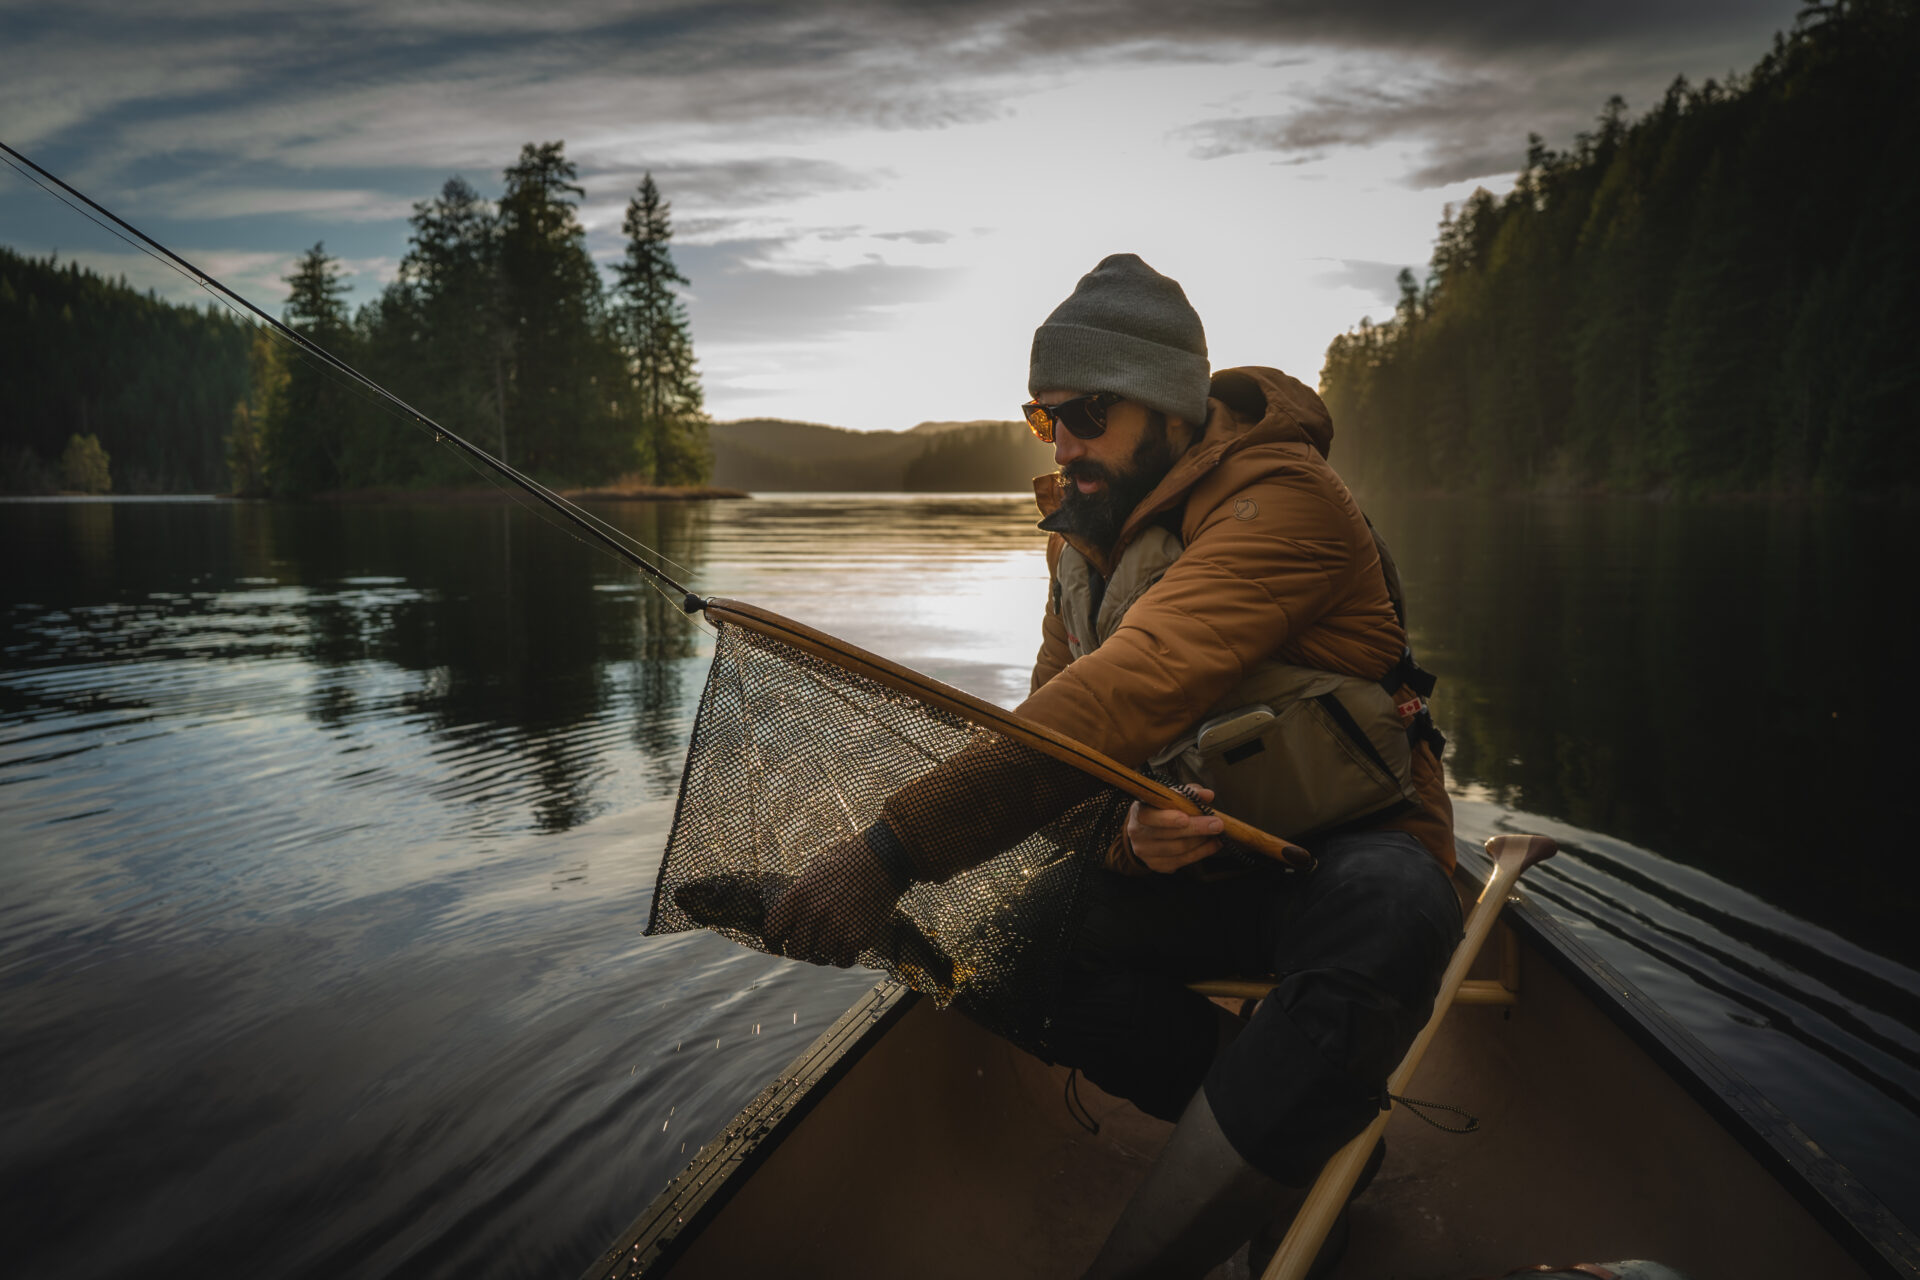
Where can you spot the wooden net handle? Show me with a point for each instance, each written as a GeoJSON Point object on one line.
{"type": "Point", "coordinates": [985, 715]}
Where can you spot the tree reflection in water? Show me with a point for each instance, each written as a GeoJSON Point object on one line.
{"type": "Point", "coordinates": [1706, 680]}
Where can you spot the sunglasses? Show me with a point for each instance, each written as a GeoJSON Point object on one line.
{"type": "Point", "coordinates": [1084, 416]}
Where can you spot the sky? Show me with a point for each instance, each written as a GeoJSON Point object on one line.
{"type": "Point", "coordinates": [875, 203]}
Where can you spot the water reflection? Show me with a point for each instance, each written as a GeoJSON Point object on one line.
{"type": "Point", "coordinates": [330, 837]}
{"type": "Point", "coordinates": [1705, 680]}
{"type": "Point", "coordinates": [516, 643]}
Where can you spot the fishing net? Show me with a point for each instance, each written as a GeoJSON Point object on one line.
{"type": "Point", "coordinates": [793, 755]}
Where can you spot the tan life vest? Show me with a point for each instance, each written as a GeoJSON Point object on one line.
{"type": "Point", "coordinates": [1293, 750]}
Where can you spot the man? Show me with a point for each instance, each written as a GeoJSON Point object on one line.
{"type": "Point", "coordinates": [1200, 546]}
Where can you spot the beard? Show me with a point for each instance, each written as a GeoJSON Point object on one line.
{"type": "Point", "coordinates": [1099, 516]}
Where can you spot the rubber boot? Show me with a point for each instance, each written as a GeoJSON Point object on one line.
{"type": "Point", "coordinates": [1199, 1203]}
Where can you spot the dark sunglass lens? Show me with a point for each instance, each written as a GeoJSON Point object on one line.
{"type": "Point", "coordinates": [1085, 416]}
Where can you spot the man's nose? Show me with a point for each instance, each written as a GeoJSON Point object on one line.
{"type": "Point", "coordinates": [1067, 447]}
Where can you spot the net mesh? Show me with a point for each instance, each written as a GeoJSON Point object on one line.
{"type": "Point", "coordinates": [793, 756]}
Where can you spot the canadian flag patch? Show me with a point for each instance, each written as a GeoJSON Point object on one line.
{"type": "Point", "coordinates": [1411, 708]}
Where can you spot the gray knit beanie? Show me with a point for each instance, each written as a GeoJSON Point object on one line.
{"type": "Point", "coordinates": [1126, 329]}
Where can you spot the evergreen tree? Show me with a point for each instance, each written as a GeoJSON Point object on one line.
{"type": "Point", "coordinates": [307, 438]}
{"type": "Point", "coordinates": [653, 322]}
{"type": "Point", "coordinates": [569, 408]}
{"type": "Point", "coordinates": [439, 335]}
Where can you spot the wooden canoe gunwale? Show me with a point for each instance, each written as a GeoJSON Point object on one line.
{"type": "Point", "coordinates": [699, 1192]}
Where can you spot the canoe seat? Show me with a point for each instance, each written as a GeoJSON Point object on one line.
{"type": "Point", "coordinates": [1504, 989]}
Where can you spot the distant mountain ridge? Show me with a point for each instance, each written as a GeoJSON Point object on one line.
{"type": "Point", "coordinates": [776, 455]}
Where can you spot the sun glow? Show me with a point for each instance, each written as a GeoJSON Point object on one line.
{"type": "Point", "coordinates": [1012, 209]}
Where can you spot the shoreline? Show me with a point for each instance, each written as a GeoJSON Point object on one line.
{"type": "Point", "coordinates": [380, 494]}
{"type": "Point", "coordinates": [490, 493]}
{"type": "Point", "coordinates": [1899, 497]}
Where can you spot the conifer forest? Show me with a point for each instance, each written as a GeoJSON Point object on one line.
{"type": "Point", "coordinates": [1717, 296]}
{"type": "Point", "coordinates": [498, 325]}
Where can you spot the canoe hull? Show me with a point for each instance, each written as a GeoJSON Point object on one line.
{"type": "Point", "coordinates": [909, 1141]}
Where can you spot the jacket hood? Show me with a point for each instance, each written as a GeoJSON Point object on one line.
{"type": "Point", "coordinates": [1247, 406]}
{"type": "Point", "coordinates": [1268, 405]}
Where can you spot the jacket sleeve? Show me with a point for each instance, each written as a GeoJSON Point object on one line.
{"type": "Point", "coordinates": [1241, 588]}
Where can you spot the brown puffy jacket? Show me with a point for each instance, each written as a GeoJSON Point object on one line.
{"type": "Point", "coordinates": [1278, 562]}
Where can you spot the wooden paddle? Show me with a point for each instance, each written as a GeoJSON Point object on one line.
{"type": "Point", "coordinates": [1511, 856]}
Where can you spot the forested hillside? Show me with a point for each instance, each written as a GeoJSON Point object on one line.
{"type": "Point", "coordinates": [1717, 296]}
{"type": "Point", "coordinates": [772, 455]}
{"type": "Point", "coordinates": [82, 355]}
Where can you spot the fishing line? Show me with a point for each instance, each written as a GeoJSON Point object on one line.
{"type": "Point", "coordinates": [599, 531]}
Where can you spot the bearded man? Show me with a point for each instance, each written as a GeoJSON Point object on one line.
{"type": "Point", "coordinates": [1206, 565]}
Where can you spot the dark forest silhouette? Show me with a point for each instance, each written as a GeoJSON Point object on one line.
{"type": "Point", "coordinates": [152, 383]}
{"type": "Point", "coordinates": [1718, 296]}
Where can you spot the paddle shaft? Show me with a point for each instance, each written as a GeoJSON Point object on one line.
{"type": "Point", "coordinates": [1511, 856]}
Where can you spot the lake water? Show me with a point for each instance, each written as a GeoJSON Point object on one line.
{"type": "Point", "coordinates": [329, 834]}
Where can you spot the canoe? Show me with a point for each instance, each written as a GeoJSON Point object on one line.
{"type": "Point", "coordinates": [907, 1141]}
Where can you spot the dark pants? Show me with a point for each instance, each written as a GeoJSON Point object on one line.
{"type": "Point", "coordinates": [1358, 945]}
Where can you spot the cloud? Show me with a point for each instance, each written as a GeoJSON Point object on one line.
{"type": "Point", "coordinates": [625, 66]}
{"type": "Point", "coordinates": [311, 87]}
{"type": "Point", "coordinates": [1381, 279]}
{"type": "Point", "coordinates": [1465, 120]}
{"type": "Point", "coordinates": [1467, 125]}
{"type": "Point", "coordinates": [750, 291]}
{"type": "Point", "coordinates": [329, 204]}
{"type": "Point", "coordinates": [1463, 26]}
{"type": "Point", "coordinates": [745, 182]}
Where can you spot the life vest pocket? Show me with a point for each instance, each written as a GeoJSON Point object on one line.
{"type": "Point", "coordinates": [1323, 752]}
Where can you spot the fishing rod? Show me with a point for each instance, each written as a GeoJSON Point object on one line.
{"type": "Point", "coordinates": [587, 524]}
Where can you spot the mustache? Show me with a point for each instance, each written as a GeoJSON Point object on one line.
{"type": "Point", "coordinates": [1086, 469]}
